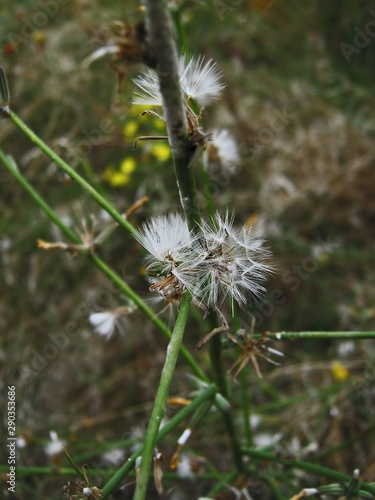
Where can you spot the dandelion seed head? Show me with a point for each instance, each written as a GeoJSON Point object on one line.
{"type": "Point", "coordinates": [230, 263]}
{"type": "Point", "coordinates": [199, 80]}
{"type": "Point", "coordinates": [218, 263]}
{"type": "Point", "coordinates": [148, 92]}
{"type": "Point", "coordinates": [167, 240]}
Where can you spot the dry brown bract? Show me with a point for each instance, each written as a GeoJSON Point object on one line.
{"type": "Point", "coordinates": [251, 348]}
{"type": "Point", "coordinates": [82, 489]}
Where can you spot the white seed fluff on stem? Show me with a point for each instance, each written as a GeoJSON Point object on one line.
{"type": "Point", "coordinates": [149, 92]}
{"type": "Point", "coordinates": [105, 322]}
{"type": "Point", "coordinates": [221, 152]}
{"type": "Point", "coordinates": [167, 240]}
{"type": "Point", "coordinates": [199, 80]}
{"type": "Point", "coordinates": [230, 264]}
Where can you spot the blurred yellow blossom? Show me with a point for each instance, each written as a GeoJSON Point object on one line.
{"type": "Point", "coordinates": [128, 165]}
{"type": "Point", "coordinates": [159, 124]}
{"type": "Point", "coordinates": [114, 177]}
{"type": "Point", "coordinates": [130, 128]}
{"type": "Point", "coordinates": [137, 109]}
{"type": "Point", "coordinates": [339, 372]}
{"type": "Point", "coordinates": [161, 151]}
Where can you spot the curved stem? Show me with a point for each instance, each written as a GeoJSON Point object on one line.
{"type": "Point", "coordinates": [100, 264]}
{"type": "Point", "coordinates": [73, 174]}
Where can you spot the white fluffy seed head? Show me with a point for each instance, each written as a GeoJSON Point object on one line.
{"type": "Point", "coordinates": [167, 240]}
{"type": "Point", "coordinates": [221, 152]}
{"type": "Point", "coordinates": [224, 263]}
{"type": "Point", "coordinates": [230, 265]}
{"type": "Point", "coordinates": [199, 80]}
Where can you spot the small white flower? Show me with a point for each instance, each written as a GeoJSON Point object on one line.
{"type": "Point", "coordinates": [199, 80]}
{"type": "Point", "coordinates": [53, 447]}
{"type": "Point", "coordinates": [115, 457]}
{"type": "Point", "coordinates": [105, 322]}
{"type": "Point", "coordinates": [221, 152]}
{"type": "Point", "coordinates": [184, 468]}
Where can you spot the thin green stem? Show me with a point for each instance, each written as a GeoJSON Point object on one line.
{"type": "Point", "coordinates": [161, 397]}
{"type": "Point", "coordinates": [180, 32]}
{"type": "Point", "coordinates": [306, 466]}
{"type": "Point", "coordinates": [324, 335]}
{"type": "Point", "coordinates": [73, 174]}
{"type": "Point", "coordinates": [13, 169]}
{"type": "Point", "coordinates": [100, 264]}
{"type": "Point", "coordinates": [167, 428]}
{"type": "Point", "coordinates": [205, 179]}
{"type": "Point", "coordinates": [220, 379]}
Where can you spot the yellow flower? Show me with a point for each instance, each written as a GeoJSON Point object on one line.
{"type": "Point", "coordinates": [119, 179]}
{"type": "Point", "coordinates": [128, 165]}
{"type": "Point", "coordinates": [114, 177]}
{"type": "Point", "coordinates": [138, 109]}
{"type": "Point", "coordinates": [108, 172]}
{"type": "Point", "coordinates": [161, 151]}
{"type": "Point", "coordinates": [159, 124]}
{"type": "Point", "coordinates": [130, 128]}
{"type": "Point", "coordinates": [339, 372]}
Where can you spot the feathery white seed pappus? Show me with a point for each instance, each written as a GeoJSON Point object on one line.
{"type": "Point", "coordinates": [225, 263]}
{"type": "Point", "coordinates": [199, 80]}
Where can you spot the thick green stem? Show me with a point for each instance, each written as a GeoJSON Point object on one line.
{"type": "Point", "coordinates": [167, 428]}
{"type": "Point", "coordinates": [161, 398]}
{"type": "Point", "coordinates": [73, 174]}
{"type": "Point", "coordinates": [221, 381]}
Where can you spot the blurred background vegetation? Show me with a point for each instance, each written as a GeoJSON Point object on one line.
{"type": "Point", "coordinates": [300, 106]}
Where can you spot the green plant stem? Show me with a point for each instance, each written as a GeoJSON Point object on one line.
{"type": "Point", "coordinates": [73, 174]}
{"type": "Point", "coordinates": [306, 466]}
{"type": "Point", "coordinates": [227, 479]}
{"type": "Point", "coordinates": [100, 264]}
{"type": "Point", "coordinates": [167, 428]}
{"type": "Point", "coordinates": [205, 179]}
{"type": "Point", "coordinates": [220, 379]}
{"type": "Point", "coordinates": [161, 398]}
{"type": "Point", "coordinates": [180, 32]}
{"type": "Point", "coordinates": [324, 335]}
